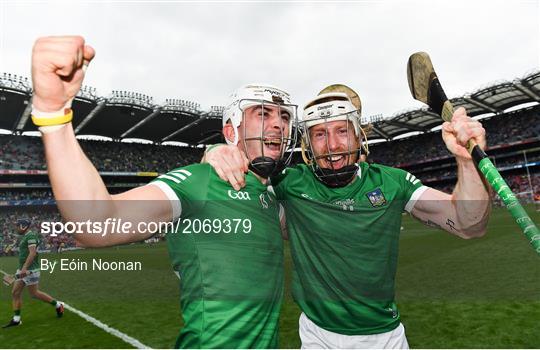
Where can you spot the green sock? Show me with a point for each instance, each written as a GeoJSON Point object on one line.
{"type": "Point", "coordinates": [17, 312]}
{"type": "Point", "coordinates": [53, 303]}
{"type": "Point", "coordinates": [17, 315]}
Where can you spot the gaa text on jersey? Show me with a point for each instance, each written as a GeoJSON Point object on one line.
{"type": "Point", "coordinates": [242, 195]}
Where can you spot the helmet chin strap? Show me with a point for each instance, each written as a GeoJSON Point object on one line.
{"type": "Point", "coordinates": [337, 178]}
{"type": "Point", "coordinates": [266, 167]}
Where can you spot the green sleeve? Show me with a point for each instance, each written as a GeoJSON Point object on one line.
{"type": "Point", "coordinates": [412, 189]}
{"type": "Point", "coordinates": [186, 187]}
{"type": "Point", "coordinates": [32, 239]}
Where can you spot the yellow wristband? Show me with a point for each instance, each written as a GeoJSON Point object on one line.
{"type": "Point", "coordinates": [63, 119]}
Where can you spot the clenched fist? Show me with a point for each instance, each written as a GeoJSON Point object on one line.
{"type": "Point", "coordinates": [57, 70]}
{"type": "Point", "coordinates": [459, 131]}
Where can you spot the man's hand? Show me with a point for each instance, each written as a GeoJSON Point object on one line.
{"type": "Point", "coordinates": [229, 163]}
{"type": "Point", "coordinates": [22, 273]}
{"type": "Point", "coordinates": [462, 128]}
{"type": "Point", "coordinates": [57, 70]}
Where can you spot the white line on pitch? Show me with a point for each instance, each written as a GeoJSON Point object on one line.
{"type": "Point", "coordinates": [113, 331]}
{"type": "Point", "coordinates": [108, 329]}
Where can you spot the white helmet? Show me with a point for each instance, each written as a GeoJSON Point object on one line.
{"type": "Point", "coordinates": [331, 107]}
{"type": "Point", "coordinates": [254, 95]}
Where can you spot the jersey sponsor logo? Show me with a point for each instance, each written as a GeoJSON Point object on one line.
{"type": "Point", "coordinates": [393, 311]}
{"type": "Point", "coordinates": [412, 179]}
{"type": "Point", "coordinates": [307, 196]}
{"type": "Point", "coordinates": [265, 199]}
{"type": "Point", "coordinates": [376, 198]}
{"type": "Point", "coordinates": [346, 204]}
{"type": "Point", "coordinates": [238, 195]}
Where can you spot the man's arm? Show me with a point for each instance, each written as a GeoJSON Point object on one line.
{"type": "Point", "coordinates": [57, 75]}
{"type": "Point", "coordinates": [81, 194]}
{"type": "Point", "coordinates": [465, 212]}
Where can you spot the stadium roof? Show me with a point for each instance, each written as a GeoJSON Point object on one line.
{"type": "Point", "coordinates": [132, 115]}
{"type": "Point", "coordinates": [495, 99]}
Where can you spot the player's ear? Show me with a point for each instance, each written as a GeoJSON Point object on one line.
{"type": "Point", "coordinates": [228, 132]}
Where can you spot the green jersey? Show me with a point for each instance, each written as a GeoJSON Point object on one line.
{"type": "Point", "coordinates": [228, 253]}
{"type": "Point", "coordinates": [344, 245]}
{"type": "Point", "coordinates": [29, 239]}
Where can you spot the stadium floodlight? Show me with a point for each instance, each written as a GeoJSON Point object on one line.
{"type": "Point", "coordinates": [425, 87]}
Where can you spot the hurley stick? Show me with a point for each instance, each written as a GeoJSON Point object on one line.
{"type": "Point", "coordinates": [425, 87]}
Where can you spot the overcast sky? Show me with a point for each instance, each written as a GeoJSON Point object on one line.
{"type": "Point", "coordinates": [202, 51]}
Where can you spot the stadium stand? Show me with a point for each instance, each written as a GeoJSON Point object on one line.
{"type": "Point", "coordinates": [509, 111]}
{"type": "Point", "coordinates": [26, 153]}
{"type": "Point", "coordinates": [501, 129]}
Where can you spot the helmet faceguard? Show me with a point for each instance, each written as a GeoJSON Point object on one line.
{"type": "Point", "coordinates": [324, 109]}
{"type": "Point", "coordinates": [268, 147]}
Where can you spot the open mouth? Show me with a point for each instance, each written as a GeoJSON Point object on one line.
{"type": "Point", "coordinates": [335, 161]}
{"type": "Point", "coordinates": [272, 144]}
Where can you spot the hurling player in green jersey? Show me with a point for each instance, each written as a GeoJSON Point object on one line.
{"type": "Point", "coordinates": [225, 245]}
{"type": "Point", "coordinates": [28, 274]}
{"type": "Point", "coordinates": [344, 218]}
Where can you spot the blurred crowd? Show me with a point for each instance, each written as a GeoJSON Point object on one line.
{"type": "Point", "coordinates": [499, 130]}
{"type": "Point", "coordinates": [133, 157]}
{"type": "Point", "coordinates": [27, 153]}
{"type": "Point", "coordinates": [518, 183]}
{"type": "Point", "coordinates": [512, 127]}
{"type": "Point", "coordinates": [17, 195]}
{"type": "Point", "coordinates": [522, 183]}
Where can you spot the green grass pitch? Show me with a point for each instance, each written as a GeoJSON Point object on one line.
{"type": "Point", "coordinates": [452, 293]}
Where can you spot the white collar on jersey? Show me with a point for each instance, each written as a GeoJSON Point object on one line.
{"type": "Point", "coordinates": [359, 173]}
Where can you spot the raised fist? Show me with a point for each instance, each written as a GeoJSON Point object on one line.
{"type": "Point", "coordinates": [459, 131]}
{"type": "Point", "coordinates": [57, 70]}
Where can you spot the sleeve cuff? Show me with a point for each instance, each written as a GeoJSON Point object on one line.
{"type": "Point", "coordinates": [176, 204]}
{"type": "Point", "coordinates": [414, 197]}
